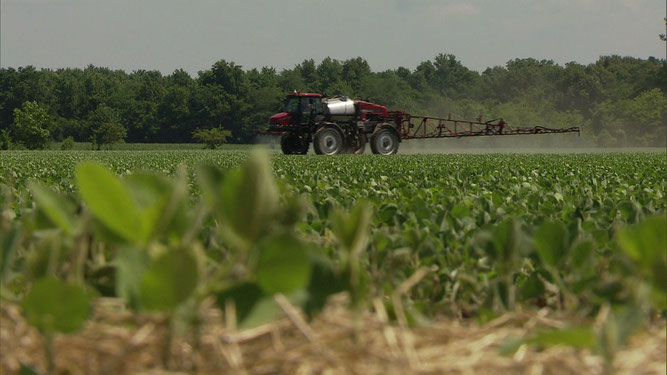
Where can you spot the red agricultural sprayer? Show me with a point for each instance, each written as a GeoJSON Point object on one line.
{"type": "Point", "coordinates": [341, 125]}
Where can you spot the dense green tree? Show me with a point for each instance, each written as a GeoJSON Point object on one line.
{"type": "Point", "coordinates": [640, 121]}
{"type": "Point", "coordinates": [354, 72]}
{"type": "Point", "coordinates": [291, 80]}
{"type": "Point", "coordinates": [67, 144]}
{"type": "Point", "coordinates": [450, 77]}
{"type": "Point", "coordinates": [579, 89]}
{"type": "Point", "coordinates": [389, 89]}
{"type": "Point", "coordinates": [266, 77]}
{"type": "Point", "coordinates": [611, 98]}
{"type": "Point", "coordinates": [520, 76]}
{"type": "Point", "coordinates": [624, 77]}
{"type": "Point", "coordinates": [227, 75]}
{"type": "Point", "coordinates": [107, 134]}
{"type": "Point", "coordinates": [174, 115]}
{"type": "Point", "coordinates": [329, 73]}
{"type": "Point", "coordinates": [308, 70]}
{"type": "Point", "coordinates": [5, 139]}
{"type": "Point", "coordinates": [104, 125]}
{"type": "Point", "coordinates": [423, 76]}
{"type": "Point", "coordinates": [264, 98]}
{"type": "Point", "coordinates": [103, 113]}
{"type": "Point", "coordinates": [223, 99]}
{"type": "Point", "coordinates": [212, 137]}
{"type": "Point", "coordinates": [340, 88]}
{"type": "Point", "coordinates": [32, 126]}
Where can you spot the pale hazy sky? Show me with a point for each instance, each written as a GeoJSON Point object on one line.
{"type": "Point", "coordinates": [193, 34]}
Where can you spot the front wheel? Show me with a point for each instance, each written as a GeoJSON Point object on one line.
{"type": "Point", "coordinates": [291, 143]}
{"type": "Point", "coordinates": [384, 142]}
{"type": "Point", "coordinates": [328, 141]}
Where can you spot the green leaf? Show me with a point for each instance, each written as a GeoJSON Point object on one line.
{"type": "Point", "coordinates": [628, 210]}
{"type": "Point", "coordinates": [292, 211]}
{"type": "Point", "coordinates": [55, 306]}
{"type": "Point", "coordinates": [381, 241]}
{"type": "Point", "coordinates": [110, 200]}
{"type": "Point", "coordinates": [169, 281]}
{"type": "Point", "coordinates": [152, 194]}
{"type": "Point", "coordinates": [245, 200]}
{"type": "Point", "coordinates": [485, 315]}
{"type": "Point", "coordinates": [323, 283]}
{"type": "Point", "coordinates": [461, 210]}
{"type": "Point", "coordinates": [645, 244]}
{"type": "Point", "coordinates": [46, 256]}
{"type": "Point", "coordinates": [550, 242]}
{"type": "Point", "coordinates": [54, 206]}
{"type": "Point", "coordinates": [619, 326]}
{"type": "Point", "coordinates": [256, 196]}
{"type": "Point", "coordinates": [27, 370]}
{"type": "Point", "coordinates": [578, 337]}
{"type": "Point", "coordinates": [581, 253]}
{"type": "Point", "coordinates": [387, 212]}
{"type": "Point", "coordinates": [9, 243]}
{"type": "Point", "coordinates": [253, 306]}
{"type": "Point", "coordinates": [628, 320]}
{"type": "Point", "coordinates": [162, 203]}
{"type": "Point", "coordinates": [210, 181]}
{"type": "Point", "coordinates": [265, 310]}
{"type": "Point", "coordinates": [505, 243]}
{"type": "Point", "coordinates": [510, 345]}
{"type": "Point", "coordinates": [283, 265]}
{"type": "Point", "coordinates": [533, 287]}
{"type": "Point", "coordinates": [130, 264]}
{"type": "Point", "coordinates": [245, 296]}
{"type": "Point", "coordinates": [352, 229]}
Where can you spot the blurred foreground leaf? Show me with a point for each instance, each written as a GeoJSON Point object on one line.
{"type": "Point", "coordinates": [283, 265]}
{"type": "Point", "coordinates": [169, 281]}
{"type": "Point", "coordinates": [646, 245]}
{"type": "Point", "coordinates": [54, 206]}
{"type": "Point", "coordinates": [550, 242]}
{"type": "Point", "coordinates": [53, 305]}
{"type": "Point", "coordinates": [109, 200]}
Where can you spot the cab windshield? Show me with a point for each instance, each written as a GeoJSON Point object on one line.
{"type": "Point", "coordinates": [291, 105]}
{"type": "Point", "coordinates": [295, 104]}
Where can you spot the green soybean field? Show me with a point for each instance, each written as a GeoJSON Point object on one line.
{"type": "Point", "coordinates": [240, 261]}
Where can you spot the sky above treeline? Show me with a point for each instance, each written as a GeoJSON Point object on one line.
{"type": "Point", "coordinates": [166, 35]}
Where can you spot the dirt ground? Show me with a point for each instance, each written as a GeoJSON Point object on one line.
{"type": "Point", "coordinates": [116, 341]}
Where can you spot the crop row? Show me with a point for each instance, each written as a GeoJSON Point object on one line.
{"type": "Point", "coordinates": [482, 234]}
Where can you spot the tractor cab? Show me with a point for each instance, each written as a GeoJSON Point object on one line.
{"type": "Point", "coordinates": [298, 109]}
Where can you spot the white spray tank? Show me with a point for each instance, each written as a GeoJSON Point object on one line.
{"type": "Point", "coordinates": [339, 106]}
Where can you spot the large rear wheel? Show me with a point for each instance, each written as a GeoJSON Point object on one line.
{"type": "Point", "coordinates": [384, 141]}
{"type": "Point", "coordinates": [328, 140]}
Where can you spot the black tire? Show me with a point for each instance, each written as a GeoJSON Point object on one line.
{"type": "Point", "coordinates": [384, 141]}
{"type": "Point", "coordinates": [287, 144]}
{"type": "Point", "coordinates": [305, 145]}
{"type": "Point", "coordinates": [328, 140]}
{"type": "Point", "coordinates": [291, 143]}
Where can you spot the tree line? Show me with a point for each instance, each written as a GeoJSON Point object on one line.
{"type": "Point", "coordinates": [617, 101]}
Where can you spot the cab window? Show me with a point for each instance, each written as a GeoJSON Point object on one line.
{"type": "Point", "coordinates": [317, 105]}
{"type": "Point", "coordinates": [306, 105]}
{"type": "Point", "coordinates": [309, 105]}
{"type": "Point", "coordinates": [291, 105]}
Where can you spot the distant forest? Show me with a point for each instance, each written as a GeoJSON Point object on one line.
{"type": "Point", "coordinates": [617, 101]}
